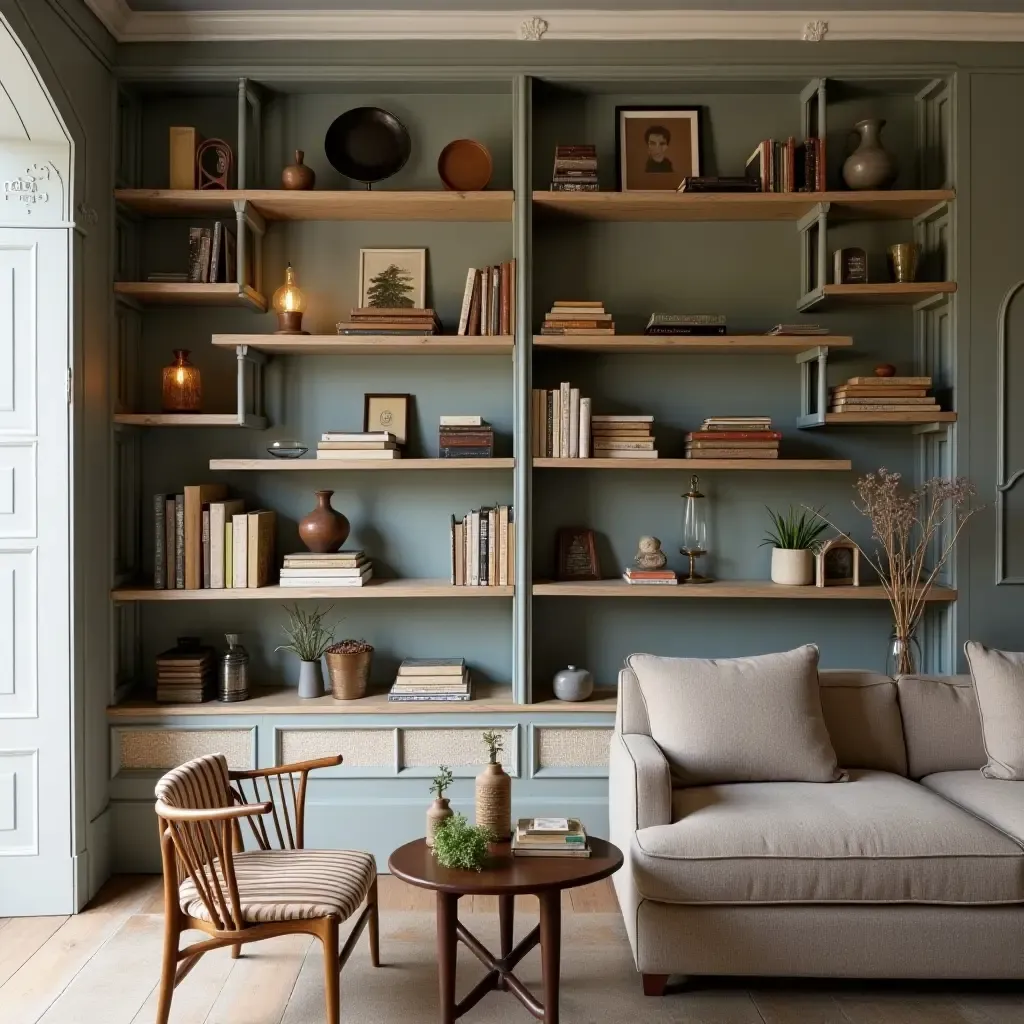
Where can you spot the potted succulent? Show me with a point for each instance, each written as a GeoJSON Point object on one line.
{"type": "Point", "coordinates": [348, 665]}
{"type": "Point", "coordinates": [494, 790]}
{"type": "Point", "coordinates": [308, 638]}
{"type": "Point", "coordinates": [439, 810]}
{"type": "Point", "coordinates": [457, 844]}
{"type": "Point", "coordinates": [792, 539]}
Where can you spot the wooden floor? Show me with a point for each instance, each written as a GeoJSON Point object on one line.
{"type": "Point", "coordinates": [101, 967]}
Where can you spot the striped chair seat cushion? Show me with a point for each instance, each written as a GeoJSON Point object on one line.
{"type": "Point", "coordinates": [292, 885]}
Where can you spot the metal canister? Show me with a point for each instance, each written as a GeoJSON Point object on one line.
{"type": "Point", "coordinates": [234, 671]}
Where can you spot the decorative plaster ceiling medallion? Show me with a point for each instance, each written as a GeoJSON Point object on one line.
{"type": "Point", "coordinates": [815, 31]}
{"type": "Point", "coordinates": [533, 29]}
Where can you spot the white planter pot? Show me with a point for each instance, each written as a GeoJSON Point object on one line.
{"type": "Point", "coordinates": [792, 568]}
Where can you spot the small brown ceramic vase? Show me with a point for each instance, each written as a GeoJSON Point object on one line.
{"type": "Point", "coordinates": [494, 800]}
{"type": "Point", "coordinates": [437, 812]}
{"type": "Point", "coordinates": [324, 529]}
{"type": "Point", "coordinates": [885, 370]}
{"type": "Point", "coordinates": [298, 176]}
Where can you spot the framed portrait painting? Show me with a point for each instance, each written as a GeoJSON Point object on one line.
{"type": "Point", "coordinates": [393, 278]}
{"type": "Point", "coordinates": [656, 148]}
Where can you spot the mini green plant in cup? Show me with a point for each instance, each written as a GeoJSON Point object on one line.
{"type": "Point", "coordinates": [439, 811]}
{"type": "Point", "coordinates": [441, 781]}
{"type": "Point", "coordinates": [461, 846]}
{"type": "Point", "coordinates": [792, 538]}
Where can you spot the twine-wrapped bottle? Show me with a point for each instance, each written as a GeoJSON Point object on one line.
{"type": "Point", "coordinates": [494, 791]}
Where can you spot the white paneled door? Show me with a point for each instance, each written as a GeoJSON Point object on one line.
{"type": "Point", "coordinates": [36, 862]}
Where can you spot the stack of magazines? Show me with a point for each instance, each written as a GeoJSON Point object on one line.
{"type": "Point", "coordinates": [550, 837]}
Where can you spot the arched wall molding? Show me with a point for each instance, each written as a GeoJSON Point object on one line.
{"type": "Point", "coordinates": [1006, 479]}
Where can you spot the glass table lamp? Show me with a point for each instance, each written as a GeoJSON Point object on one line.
{"type": "Point", "coordinates": [182, 389]}
{"type": "Point", "coordinates": [695, 530]}
{"type": "Point", "coordinates": [289, 303]}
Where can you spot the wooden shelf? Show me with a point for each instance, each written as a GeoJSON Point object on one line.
{"type": "Point", "coordinates": [741, 344]}
{"type": "Point", "coordinates": [884, 294]}
{"type": "Point", "coordinates": [376, 344]}
{"type": "Point", "coordinates": [725, 206]}
{"type": "Point", "coordinates": [161, 293]}
{"type": "Point", "coordinates": [878, 419]}
{"type": "Point", "coordinates": [700, 465]}
{"type": "Point", "coordinates": [431, 589]}
{"type": "Point", "coordinates": [349, 465]}
{"type": "Point", "coordinates": [181, 419]}
{"type": "Point", "coordinates": [491, 698]}
{"type": "Point", "coordinates": [750, 589]}
{"type": "Point", "coordinates": [282, 205]}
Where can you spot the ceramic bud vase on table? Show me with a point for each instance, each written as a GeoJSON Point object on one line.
{"type": "Point", "coordinates": [437, 812]}
{"type": "Point", "coordinates": [792, 567]}
{"type": "Point", "coordinates": [494, 791]}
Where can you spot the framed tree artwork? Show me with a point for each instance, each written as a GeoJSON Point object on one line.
{"type": "Point", "coordinates": [393, 278]}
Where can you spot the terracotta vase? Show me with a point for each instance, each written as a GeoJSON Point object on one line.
{"type": "Point", "coordinates": [298, 176]}
{"type": "Point", "coordinates": [437, 812]}
{"type": "Point", "coordinates": [869, 166]}
{"type": "Point", "coordinates": [494, 801]}
{"type": "Point", "coordinates": [324, 529]}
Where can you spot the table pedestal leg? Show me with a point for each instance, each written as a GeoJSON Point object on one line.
{"type": "Point", "coordinates": [506, 921]}
{"type": "Point", "coordinates": [550, 951]}
{"type": "Point", "coordinates": [447, 919]}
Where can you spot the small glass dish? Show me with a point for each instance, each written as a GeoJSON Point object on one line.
{"type": "Point", "coordinates": [287, 449]}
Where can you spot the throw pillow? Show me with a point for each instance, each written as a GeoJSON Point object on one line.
{"type": "Point", "coordinates": [738, 719]}
{"type": "Point", "coordinates": [998, 678]}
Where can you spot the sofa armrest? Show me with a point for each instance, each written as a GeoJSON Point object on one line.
{"type": "Point", "coordinates": [640, 786]}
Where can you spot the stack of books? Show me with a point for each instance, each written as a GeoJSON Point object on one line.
{"type": "Point", "coordinates": [575, 169]}
{"type": "Point", "coordinates": [623, 437]}
{"type": "Point", "coordinates": [203, 540]}
{"type": "Point", "coordinates": [567, 317]}
{"type": "Point", "coordinates": [561, 423]}
{"type": "Point", "coordinates": [211, 255]}
{"type": "Point", "coordinates": [696, 324]}
{"type": "Point", "coordinates": [399, 320]}
{"type": "Point", "coordinates": [797, 330]}
{"type": "Point", "coordinates": [884, 394]}
{"type": "Point", "coordinates": [465, 437]}
{"type": "Point", "coordinates": [186, 674]}
{"type": "Point", "coordinates": [171, 277]}
{"type": "Point", "coordinates": [483, 548]}
{"type": "Point", "coordinates": [655, 577]}
{"type": "Point", "coordinates": [489, 301]}
{"type": "Point", "coordinates": [717, 183]}
{"type": "Point", "coordinates": [331, 569]}
{"type": "Point", "coordinates": [788, 166]}
{"type": "Point", "coordinates": [734, 437]}
{"type": "Point", "coordinates": [423, 679]}
{"type": "Point", "coordinates": [367, 446]}
{"type": "Point", "coordinates": [550, 837]}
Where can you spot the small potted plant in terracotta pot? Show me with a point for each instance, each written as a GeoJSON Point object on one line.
{"type": "Point", "coordinates": [439, 810]}
{"type": "Point", "coordinates": [791, 539]}
{"type": "Point", "coordinates": [348, 665]}
{"type": "Point", "coordinates": [494, 790]}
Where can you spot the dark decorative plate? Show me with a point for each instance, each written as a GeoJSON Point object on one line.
{"type": "Point", "coordinates": [367, 144]}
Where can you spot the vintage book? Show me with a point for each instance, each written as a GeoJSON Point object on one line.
{"type": "Point", "coordinates": [512, 298]}
{"type": "Point", "coordinates": [474, 548]}
{"type": "Point", "coordinates": [359, 454]}
{"type": "Point", "coordinates": [560, 323]}
{"type": "Point", "coordinates": [732, 453]}
{"type": "Point", "coordinates": [485, 547]}
{"type": "Point", "coordinates": [893, 382]}
{"type": "Point", "coordinates": [327, 560]}
{"type": "Point", "coordinates": [438, 691]}
{"type": "Point", "coordinates": [574, 423]}
{"type": "Point", "coordinates": [863, 391]}
{"type": "Point", "coordinates": [474, 305]}
{"type": "Point", "coordinates": [262, 525]}
{"type": "Point", "coordinates": [578, 304]}
{"type": "Point", "coordinates": [556, 423]}
{"type": "Point", "coordinates": [467, 301]}
{"type": "Point", "coordinates": [229, 553]}
{"type": "Point", "coordinates": [503, 577]}
{"type": "Point", "coordinates": [160, 542]}
{"type": "Point", "coordinates": [195, 255]}
{"type": "Point", "coordinates": [458, 554]}
{"type": "Point", "coordinates": [348, 446]}
{"type": "Point", "coordinates": [567, 186]}
{"type": "Point", "coordinates": [331, 581]}
{"type": "Point", "coordinates": [686, 332]}
{"type": "Point", "coordinates": [206, 549]}
{"type": "Point", "coordinates": [576, 332]}
{"type": "Point", "coordinates": [640, 445]}
{"type": "Point", "coordinates": [864, 400]}
{"type": "Point", "coordinates": [170, 546]}
{"type": "Point", "coordinates": [616, 418]}
{"type": "Point", "coordinates": [649, 574]}
{"type": "Point", "coordinates": [565, 414]}
{"type": "Point", "coordinates": [373, 435]}
{"type": "Point", "coordinates": [733, 435]}
{"type": "Point", "coordinates": [796, 330]}
{"type": "Point", "coordinates": [455, 439]}
{"type": "Point", "coordinates": [547, 826]}
{"type": "Point", "coordinates": [196, 496]}
{"type": "Point", "coordinates": [492, 547]}
{"type": "Point", "coordinates": [567, 316]}
{"type": "Point", "coordinates": [615, 453]}
{"type": "Point", "coordinates": [215, 248]}
{"type": "Point", "coordinates": [485, 301]}
{"type": "Point", "coordinates": [183, 143]}
{"type": "Point", "coordinates": [625, 430]}
{"type": "Point", "coordinates": [506, 299]}
{"type": "Point", "coordinates": [884, 407]}
{"type": "Point", "coordinates": [179, 541]}
{"type": "Point", "coordinates": [478, 452]}
{"type": "Point", "coordinates": [338, 572]}
{"type": "Point", "coordinates": [412, 698]}
{"type": "Point", "coordinates": [583, 444]}
{"type": "Point", "coordinates": [636, 582]}
{"type": "Point", "coordinates": [686, 320]}
{"type": "Point", "coordinates": [461, 421]}
{"type": "Point", "coordinates": [713, 445]}
{"type": "Point", "coordinates": [496, 300]}
{"type": "Point", "coordinates": [240, 550]}
{"type": "Point", "coordinates": [205, 253]}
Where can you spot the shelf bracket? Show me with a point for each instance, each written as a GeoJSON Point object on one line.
{"type": "Point", "coordinates": [250, 387]}
{"type": "Point", "coordinates": [249, 98]}
{"type": "Point", "coordinates": [813, 387]}
{"type": "Point", "coordinates": [250, 227]}
{"type": "Point", "coordinates": [813, 228]}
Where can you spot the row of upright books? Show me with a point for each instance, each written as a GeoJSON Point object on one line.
{"type": "Point", "coordinates": [211, 256]}
{"type": "Point", "coordinates": [578, 317]}
{"type": "Point", "coordinates": [489, 301]}
{"type": "Point", "coordinates": [561, 421]}
{"type": "Point", "coordinates": [575, 169]}
{"type": "Point", "coordinates": [203, 540]}
{"type": "Point", "coordinates": [483, 548]}
{"type": "Point", "coordinates": [734, 437]}
{"type": "Point", "coordinates": [401, 321]}
{"type": "Point", "coordinates": [328, 569]}
{"type": "Point", "coordinates": [788, 166]}
{"type": "Point", "coordinates": [883, 394]}
{"type": "Point", "coordinates": [550, 837]}
{"type": "Point", "coordinates": [369, 446]}
{"type": "Point", "coordinates": [431, 679]}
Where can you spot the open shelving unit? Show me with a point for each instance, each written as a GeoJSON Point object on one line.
{"type": "Point", "coordinates": [367, 345]}
{"type": "Point", "coordinates": [737, 344]}
{"type": "Point", "coordinates": [702, 465]}
{"type": "Point", "coordinates": [162, 293]}
{"type": "Point", "coordinates": [374, 588]}
{"type": "Point", "coordinates": [306, 465]}
{"type": "Point", "coordinates": [755, 590]}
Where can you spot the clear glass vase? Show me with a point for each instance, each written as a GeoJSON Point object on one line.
{"type": "Point", "coordinates": [903, 656]}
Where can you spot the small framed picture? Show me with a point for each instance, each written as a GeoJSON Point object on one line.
{"type": "Point", "coordinates": [387, 412]}
{"type": "Point", "coordinates": [577, 555]}
{"type": "Point", "coordinates": [837, 563]}
{"type": "Point", "coordinates": [393, 278]}
{"type": "Point", "coordinates": [656, 149]}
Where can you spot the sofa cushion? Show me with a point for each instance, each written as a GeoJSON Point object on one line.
{"type": "Point", "coordinates": [941, 724]}
{"type": "Point", "coordinates": [996, 801]}
{"type": "Point", "coordinates": [862, 715]}
{"type": "Point", "coordinates": [738, 719]}
{"type": "Point", "coordinates": [878, 839]}
{"type": "Point", "coordinates": [999, 686]}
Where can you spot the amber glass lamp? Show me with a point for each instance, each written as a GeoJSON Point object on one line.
{"type": "Point", "coordinates": [182, 385]}
{"type": "Point", "coordinates": [289, 303]}
{"type": "Point", "coordinates": [695, 529]}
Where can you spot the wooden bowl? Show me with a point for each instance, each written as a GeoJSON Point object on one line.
{"type": "Point", "coordinates": [465, 166]}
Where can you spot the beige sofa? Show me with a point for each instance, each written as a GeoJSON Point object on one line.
{"type": "Point", "coordinates": [914, 868]}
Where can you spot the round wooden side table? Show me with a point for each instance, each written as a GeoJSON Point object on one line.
{"type": "Point", "coordinates": [506, 877]}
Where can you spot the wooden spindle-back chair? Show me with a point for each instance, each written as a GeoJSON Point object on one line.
{"type": "Point", "coordinates": [213, 884]}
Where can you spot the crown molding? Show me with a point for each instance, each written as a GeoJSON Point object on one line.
{"type": "Point", "coordinates": [533, 26]}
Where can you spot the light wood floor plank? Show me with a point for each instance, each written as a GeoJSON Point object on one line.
{"type": "Point", "coordinates": [125, 894]}
{"type": "Point", "coordinates": [258, 989]}
{"type": "Point", "coordinates": [26, 996]}
{"type": "Point", "coordinates": [115, 982]}
{"type": "Point", "coordinates": [597, 898]}
{"type": "Point", "coordinates": [784, 1006]}
{"type": "Point", "coordinates": [997, 1008]}
{"type": "Point", "coordinates": [397, 896]}
{"type": "Point", "coordinates": [903, 1006]}
{"type": "Point", "coordinates": [20, 940]}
